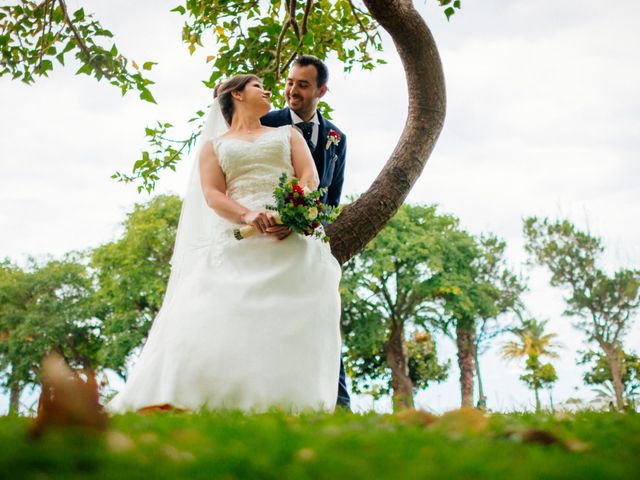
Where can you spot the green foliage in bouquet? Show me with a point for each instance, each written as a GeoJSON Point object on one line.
{"type": "Point", "coordinates": [301, 209]}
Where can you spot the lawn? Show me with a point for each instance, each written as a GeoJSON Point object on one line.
{"type": "Point", "coordinates": [229, 445]}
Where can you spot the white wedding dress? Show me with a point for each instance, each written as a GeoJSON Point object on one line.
{"type": "Point", "coordinates": [249, 324]}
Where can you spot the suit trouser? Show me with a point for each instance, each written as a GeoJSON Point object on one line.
{"type": "Point", "coordinates": [343, 395]}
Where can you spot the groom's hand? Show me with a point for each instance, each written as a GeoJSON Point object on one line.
{"type": "Point", "coordinates": [279, 231]}
{"type": "Point", "coordinates": [262, 220]}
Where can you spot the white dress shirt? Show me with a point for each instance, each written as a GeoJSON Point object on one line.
{"type": "Point", "coordinates": [316, 125]}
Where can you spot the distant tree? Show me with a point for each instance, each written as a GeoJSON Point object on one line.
{"type": "Point", "coordinates": [46, 308]}
{"type": "Point", "coordinates": [477, 289]}
{"type": "Point", "coordinates": [533, 343]}
{"type": "Point", "coordinates": [92, 311]}
{"type": "Point", "coordinates": [539, 375]}
{"type": "Point", "coordinates": [507, 289]}
{"type": "Point", "coordinates": [422, 272]}
{"type": "Point", "coordinates": [13, 298]}
{"type": "Point", "coordinates": [603, 305]}
{"type": "Point", "coordinates": [600, 375]}
{"type": "Point", "coordinates": [132, 274]}
{"type": "Point", "coordinates": [387, 300]}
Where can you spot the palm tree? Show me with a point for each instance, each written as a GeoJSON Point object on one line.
{"type": "Point", "coordinates": [533, 343]}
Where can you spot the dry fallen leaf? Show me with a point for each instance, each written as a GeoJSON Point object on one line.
{"type": "Point", "coordinates": [148, 437]}
{"type": "Point", "coordinates": [463, 421]}
{"type": "Point", "coordinates": [416, 417]}
{"type": "Point", "coordinates": [119, 442]}
{"type": "Point", "coordinates": [576, 445]}
{"type": "Point", "coordinates": [306, 455]}
{"type": "Point", "coordinates": [66, 399]}
{"type": "Point", "coordinates": [175, 455]}
{"type": "Point", "coordinates": [161, 407]}
{"type": "Point", "coordinates": [542, 437]}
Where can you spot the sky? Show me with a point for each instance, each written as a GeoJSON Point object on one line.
{"type": "Point", "coordinates": [543, 119]}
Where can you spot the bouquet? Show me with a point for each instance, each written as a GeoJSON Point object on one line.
{"type": "Point", "coordinates": [298, 208]}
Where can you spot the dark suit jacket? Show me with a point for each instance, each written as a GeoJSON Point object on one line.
{"type": "Point", "coordinates": [329, 161]}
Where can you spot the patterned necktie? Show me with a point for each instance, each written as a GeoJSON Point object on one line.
{"type": "Point", "coordinates": [307, 131]}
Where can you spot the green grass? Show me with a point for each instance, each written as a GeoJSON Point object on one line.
{"type": "Point", "coordinates": [230, 445]}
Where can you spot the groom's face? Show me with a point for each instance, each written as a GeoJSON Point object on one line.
{"type": "Point", "coordinates": [301, 91]}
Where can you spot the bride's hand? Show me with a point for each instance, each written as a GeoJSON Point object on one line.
{"type": "Point", "coordinates": [260, 220]}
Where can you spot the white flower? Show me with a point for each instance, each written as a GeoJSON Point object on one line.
{"type": "Point", "coordinates": [313, 213]}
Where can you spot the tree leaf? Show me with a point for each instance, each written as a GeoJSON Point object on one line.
{"type": "Point", "coordinates": [449, 12]}
{"type": "Point", "coordinates": [145, 94]}
{"type": "Point", "coordinates": [85, 68]}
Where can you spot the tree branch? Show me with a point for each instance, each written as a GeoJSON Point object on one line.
{"type": "Point", "coordinates": [307, 10]}
{"type": "Point", "coordinates": [387, 298]}
{"type": "Point", "coordinates": [363, 29]}
{"type": "Point", "coordinates": [292, 17]}
{"type": "Point", "coordinates": [285, 27]}
{"type": "Point", "coordinates": [41, 4]}
{"type": "Point", "coordinates": [78, 37]}
{"type": "Point", "coordinates": [44, 28]}
{"type": "Point", "coordinates": [285, 65]}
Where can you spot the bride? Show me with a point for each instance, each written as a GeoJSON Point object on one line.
{"type": "Point", "coordinates": [248, 324]}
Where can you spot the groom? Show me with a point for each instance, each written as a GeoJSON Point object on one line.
{"type": "Point", "coordinates": [306, 85]}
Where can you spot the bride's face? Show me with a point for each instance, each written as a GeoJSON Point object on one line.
{"type": "Point", "coordinates": [256, 97]}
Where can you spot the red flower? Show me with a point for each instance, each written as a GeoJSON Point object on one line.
{"type": "Point", "coordinates": [333, 137]}
{"type": "Point", "coordinates": [317, 202]}
{"type": "Point", "coordinates": [297, 195]}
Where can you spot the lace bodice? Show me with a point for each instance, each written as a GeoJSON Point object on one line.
{"type": "Point", "coordinates": [252, 169]}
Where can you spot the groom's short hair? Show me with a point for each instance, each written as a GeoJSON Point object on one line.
{"type": "Point", "coordinates": [322, 76]}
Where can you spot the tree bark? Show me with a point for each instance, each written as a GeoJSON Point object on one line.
{"type": "Point", "coordinates": [398, 361]}
{"type": "Point", "coordinates": [363, 219]}
{"type": "Point", "coordinates": [616, 375]}
{"type": "Point", "coordinates": [14, 399]}
{"type": "Point", "coordinates": [466, 353]}
{"type": "Point", "coordinates": [537, 394]}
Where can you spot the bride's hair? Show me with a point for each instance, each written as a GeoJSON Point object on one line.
{"type": "Point", "coordinates": [223, 93]}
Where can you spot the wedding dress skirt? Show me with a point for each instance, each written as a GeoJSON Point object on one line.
{"type": "Point", "coordinates": [250, 324]}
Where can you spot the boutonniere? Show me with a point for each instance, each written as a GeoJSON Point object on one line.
{"type": "Point", "coordinates": [332, 137]}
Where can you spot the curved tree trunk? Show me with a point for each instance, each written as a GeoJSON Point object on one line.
{"type": "Point", "coordinates": [466, 344]}
{"type": "Point", "coordinates": [362, 220]}
{"type": "Point", "coordinates": [398, 361]}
